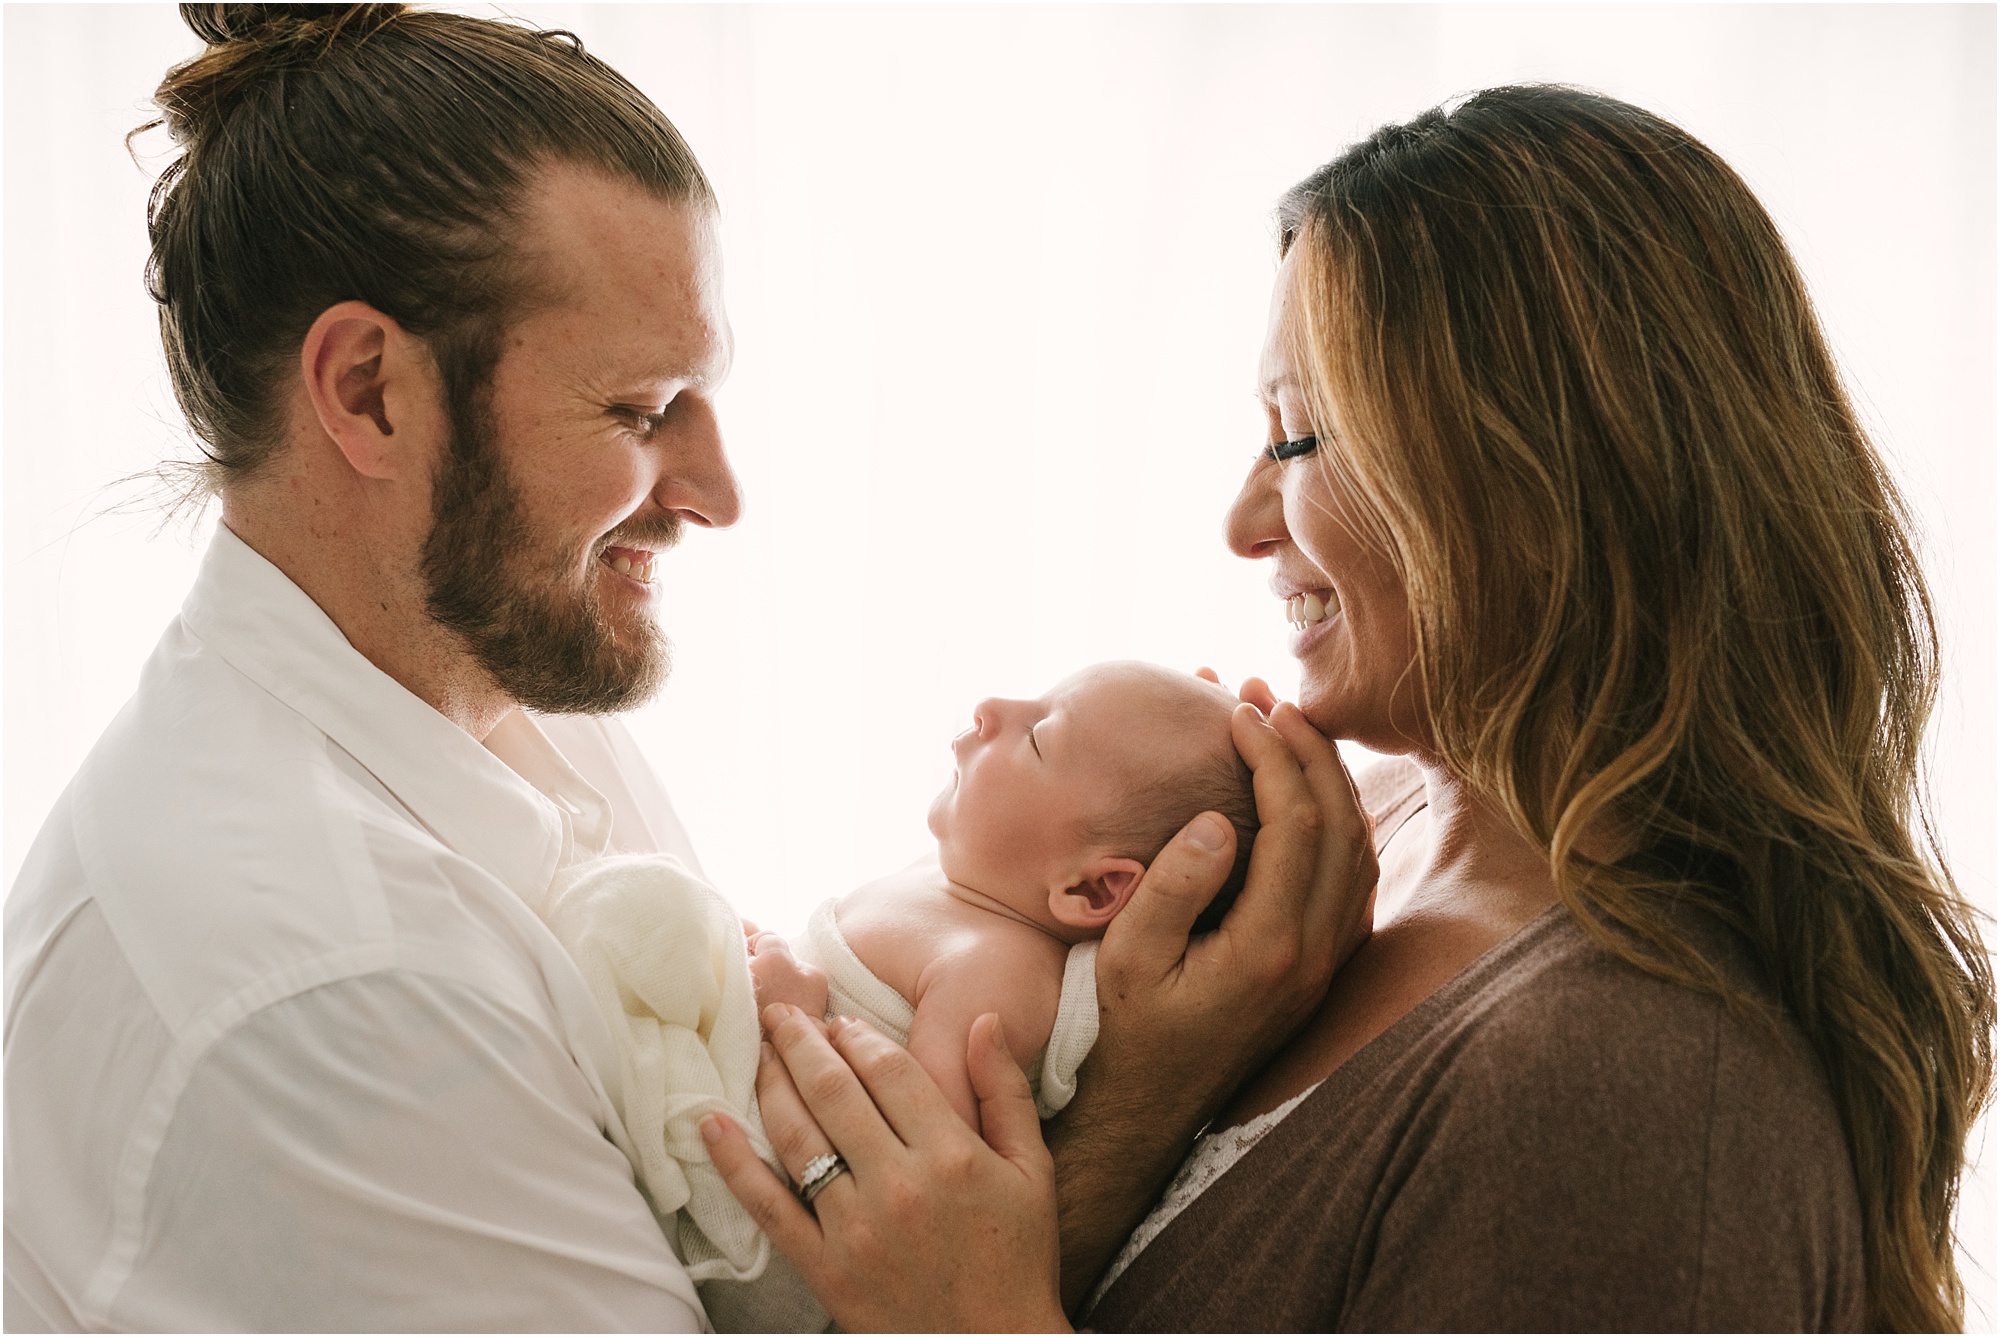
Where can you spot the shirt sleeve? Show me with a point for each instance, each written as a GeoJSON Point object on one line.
{"type": "Point", "coordinates": [396, 1152]}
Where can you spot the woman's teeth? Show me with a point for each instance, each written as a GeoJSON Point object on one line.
{"type": "Point", "coordinates": [1305, 610]}
{"type": "Point", "coordinates": [642, 571]}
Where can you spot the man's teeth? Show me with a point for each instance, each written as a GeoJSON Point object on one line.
{"type": "Point", "coordinates": [1304, 610]}
{"type": "Point", "coordinates": [643, 572]}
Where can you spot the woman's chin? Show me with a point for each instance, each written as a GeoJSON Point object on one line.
{"type": "Point", "coordinates": [1326, 706]}
{"type": "Point", "coordinates": [1340, 716]}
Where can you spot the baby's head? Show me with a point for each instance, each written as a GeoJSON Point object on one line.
{"type": "Point", "coordinates": [1060, 803]}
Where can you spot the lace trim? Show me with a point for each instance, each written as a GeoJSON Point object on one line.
{"type": "Point", "coordinates": [1207, 1159]}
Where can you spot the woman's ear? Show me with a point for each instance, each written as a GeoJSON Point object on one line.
{"type": "Point", "coordinates": [1095, 899]}
{"type": "Point", "coordinates": [365, 378]}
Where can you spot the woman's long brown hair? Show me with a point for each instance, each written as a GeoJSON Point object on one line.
{"type": "Point", "coordinates": [1662, 587]}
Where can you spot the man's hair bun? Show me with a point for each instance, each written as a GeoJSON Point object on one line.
{"type": "Point", "coordinates": [246, 44]}
{"type": "Point", "coordinates": [219, 24]}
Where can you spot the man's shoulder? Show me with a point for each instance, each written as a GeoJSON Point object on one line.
{"type": "Point", "coordinates": [227, 841]}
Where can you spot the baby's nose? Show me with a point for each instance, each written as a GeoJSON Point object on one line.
{"type": "Point", "coordinates": [986, 717]}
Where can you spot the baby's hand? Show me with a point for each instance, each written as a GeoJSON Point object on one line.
{"type": "Point", "coordinates": [779, 977]}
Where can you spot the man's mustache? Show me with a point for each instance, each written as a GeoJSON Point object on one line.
{"type": "Point", "coordinates": [655, 533]}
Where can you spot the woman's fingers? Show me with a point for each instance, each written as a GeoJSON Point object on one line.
{"type": "Point", "coordinates": [939, 1234]}
{"type": "Point", "coordinates": [770, 1201]}
{"type": "Point", "coordinates": [795, 1137]}
{"type": "Point", "coordinates": [1007, 1118]}
{"type": "Point", "coordinates": [833, 1097]}
{"type": "Point", "coordinates": [903, 1093]}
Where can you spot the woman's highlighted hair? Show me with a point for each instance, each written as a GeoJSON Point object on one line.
{"type": "Point", "coordinates": [1663, 589]}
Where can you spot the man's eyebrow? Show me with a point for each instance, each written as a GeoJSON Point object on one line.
{"type": "Point", "coordinates": [659, 373]}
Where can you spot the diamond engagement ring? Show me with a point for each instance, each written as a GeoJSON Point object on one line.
{"type": "Point", "coordinates": [819, 1172]}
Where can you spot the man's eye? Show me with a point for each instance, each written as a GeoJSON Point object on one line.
{"type": "Point", "coordinates": [646, 421]}
{"type": "Point", "coordinates": [1291, 450]}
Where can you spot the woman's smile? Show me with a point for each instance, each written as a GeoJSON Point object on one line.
{"type": "Point", "coordinates": [1311, 608]}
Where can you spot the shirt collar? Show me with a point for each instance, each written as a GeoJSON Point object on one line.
{"type": "Point", "coordinates": [515, 807]}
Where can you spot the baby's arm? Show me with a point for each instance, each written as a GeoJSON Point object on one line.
{"type": "Point", "coordinates": [958, 991]}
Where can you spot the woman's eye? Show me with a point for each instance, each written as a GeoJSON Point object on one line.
{"type": "Point", "coordinates": [1291, 450]}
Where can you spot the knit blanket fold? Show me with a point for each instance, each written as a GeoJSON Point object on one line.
{"type": "Point", "coordinates": [664, 957]}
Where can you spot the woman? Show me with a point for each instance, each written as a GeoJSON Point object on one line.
{"type": "Point", "coordinates": [1672, 1019]}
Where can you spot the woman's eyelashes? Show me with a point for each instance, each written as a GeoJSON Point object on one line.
{"type": "Point", "coordinates": [1292, 449]}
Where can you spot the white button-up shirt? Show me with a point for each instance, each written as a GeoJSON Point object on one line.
{"type": "Point", "coordinates": [287, 1047]}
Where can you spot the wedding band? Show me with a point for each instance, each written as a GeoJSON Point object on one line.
{"type": "Point", "coordinates": [819, 1172]}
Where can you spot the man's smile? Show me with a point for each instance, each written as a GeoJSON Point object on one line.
{"type": "Point", "coordinates": [634, 562]}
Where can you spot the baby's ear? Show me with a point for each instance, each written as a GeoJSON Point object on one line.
{"type": "Point", "coordinates": [1095, 899]}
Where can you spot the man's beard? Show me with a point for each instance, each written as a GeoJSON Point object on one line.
{"type": "Point", "coordinates": [510, 594]}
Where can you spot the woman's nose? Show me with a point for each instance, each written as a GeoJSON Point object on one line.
{"type": "Point", "coordinates": [1255, 524]}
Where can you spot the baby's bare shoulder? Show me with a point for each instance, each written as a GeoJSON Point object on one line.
{"type": "Point", "coordinates": [992, 942]}
{"type": "Point", "coordinates": [997, 966]}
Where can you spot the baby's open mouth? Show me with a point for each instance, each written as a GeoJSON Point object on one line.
{"type": "Point", "coordinates": [634, 562]}
{"type": "Point", "coordinates": [1309, 607]}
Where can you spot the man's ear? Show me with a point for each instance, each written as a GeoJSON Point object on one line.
{"type": "Point", "coordinates": [366, 378]}
{"type": "Point", "coordinates": [1095, 899]}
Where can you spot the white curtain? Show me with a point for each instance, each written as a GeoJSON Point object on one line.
{"type": "Point", "coordinates": [998, 277]}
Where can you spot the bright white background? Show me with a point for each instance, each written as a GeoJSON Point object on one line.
{"type": "Point", "coordinates": [998, 276]}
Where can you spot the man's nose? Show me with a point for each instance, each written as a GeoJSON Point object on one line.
{"type": "Point", "coordinates": [697, 481]}
{"type": "Point", "coordinates": [1255, 525]}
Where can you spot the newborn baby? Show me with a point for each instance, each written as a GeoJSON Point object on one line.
{"type": "Point", "coordinates": [1056, 809]}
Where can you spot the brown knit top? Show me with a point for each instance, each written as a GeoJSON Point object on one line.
{"type": "Point", "coordinates": [1554, 1140]}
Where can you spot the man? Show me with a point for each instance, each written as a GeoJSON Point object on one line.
{"type": "Point", "coordinates": [287, 1046]}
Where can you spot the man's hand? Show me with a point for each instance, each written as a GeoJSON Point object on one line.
{"type": "Point", "coordinates": [1183, 1023]}
{"type": "Point", "coordinates": [932, 1229]}
{"type": "Point", "coordinates": [780, 977]}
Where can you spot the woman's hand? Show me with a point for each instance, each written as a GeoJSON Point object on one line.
{"type": "Point", "coordinates": [931, 1229]}
{"type": "Point", "coordinates": [1183, 1023]}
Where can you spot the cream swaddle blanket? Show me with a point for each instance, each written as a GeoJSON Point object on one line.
{"type": "Point", "coordinates": [853, 990]}
{"type": "Point", "coordinates": [664, 957]}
